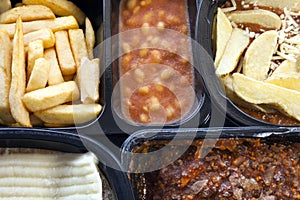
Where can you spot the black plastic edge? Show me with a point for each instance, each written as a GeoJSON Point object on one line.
{"type": "Point", "coordinates": [208, 133]}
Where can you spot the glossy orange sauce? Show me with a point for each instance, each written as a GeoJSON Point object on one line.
{"type": "Point", "coordinates": [154, 75]}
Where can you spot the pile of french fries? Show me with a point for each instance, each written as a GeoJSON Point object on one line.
{"type": "Point", "coordinates": [48, 73]}
{"type": "Point", "coordinates": [260, 69]}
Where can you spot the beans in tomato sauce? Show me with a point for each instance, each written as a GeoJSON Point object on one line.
{"type": "Point", "coordinates": [155, 68]}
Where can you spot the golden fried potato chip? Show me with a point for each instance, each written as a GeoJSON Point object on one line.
{"type": "Point", "coordinates": [257, 59]}
{"type": "Point", "coordinates": [5, 113]}
{"type": "Point", "coordinates": [39, 75]}
{"type": "Point", "coordinates": [88, 76]}
{"type": "Point", "coordinates": [259, 92]}
{"type": "Point", "coordinates": [228, 85]}
{"type": "Point", "coordinates": [51, 96]}
{"type": "Point", "coordinates": [90, 38]}
{"type": "Point", "coordinates": [223, 33]}
{"type": "Point", "coordinates": [64, 53]}
{"type": "Point", "coordinates": [44, 34]}
{"type": "Point", "coordinates": [60, 8]}
{"type": "Point", "coordinates": [27, 13]}
{"type": "Point", "coordinates": [261, 17]}
{"type": "Point", "coordinates": [5, 77]}
{"type": "Point", "coordinates": [286, 67]}
{"type": "Point", "coordinates": [288, 80]}
{"type": "Point", "coordinates": [18, 79]}
{"type": "Point", "coordinates": [5, 53]}
{"type": "Point", "coordinates": [35, 51]}
{"type": "Point", "coordinates": [78, 45]}
{"type": "Point", "coordinates": [55, 75]}
{"type": "Point", "coordinates": [57, 24]}
{"type": "Point", "coordinates": [70, 114]}
{"type": "Point", "coordinates": [236, 45]}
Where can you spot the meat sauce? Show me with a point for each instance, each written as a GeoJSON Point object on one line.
{"type": "Point", "coordinates": [233, 169]}
{"type": "Point", "coordinates": [155, 66]}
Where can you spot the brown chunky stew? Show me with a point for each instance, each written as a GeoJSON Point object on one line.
{"type": "Point", "coordinates": [257, 56]}
{"type": "Point", "coordinates": [233, 169]}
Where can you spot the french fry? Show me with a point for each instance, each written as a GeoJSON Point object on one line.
{"type": "Point", "coordinates": [27, 13]}
{"type": "Point", "coordinates": [55, 75]}
{"type": "Point", "coordinates": [51, 96]}
{"type": "Point", "coordinates": [259, 92]}
{"type": "Point", "coordinates": [228, 84]}
{"type": "Point", "coordinates": [60, 8]}
{"type": "Point", "coordinates": [39, 75]}
{"type": "Point", "coordinates": [89, 38]}
{"type": "Point", "coordinates": [44, 34]}
{"type": "Point", "coordinates": [78, 45]}
{"type": "Point", "coordinates": [235, 47]}
{"type": "Point", "coordinates": [70, 114]}
{"type": "Point", "coordinates": [5, 5]}
{"type": "Point", "coordinates": [35, 51]}
{"type": "Point", "coordinates": [88, 76]}
{"type": "Point", "coordinates": [224, 30]}
{"type": "Point", "coordinates": [5, 113]}
{"type": "Point", "coordinates": [286, 67]}
{"type": "Point", "coordinates": [261, 17]}
{"type": "Point", "coordinates": [64, 53]}
{"type": "Point", "coordinates": [18, 81]}
{"type": "Point", "coordinates": [259, 54]}
{"type": "Point", "coordinates": [5, 77]}
{"type": "Point", "coordinates": [289, 82]}
{"type": "Point", "coordinates": [5, 53]}
{"type": "Point", "coordinates": [57, 24]}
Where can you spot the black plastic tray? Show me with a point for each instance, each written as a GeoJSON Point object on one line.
{"type": "Point", "coordinates": [111, 122]}
{"type": "Point", "coordinates": [109, 165]}
{"type": "Point", "coordinates": [135, 165]}
{"type": "Point", "coordinates": [205, 21]}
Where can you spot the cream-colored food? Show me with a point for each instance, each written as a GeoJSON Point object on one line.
{"type": "Point", "coordinates": [59, 176]}
{"type": "Point", "coordinates": [42, 52]}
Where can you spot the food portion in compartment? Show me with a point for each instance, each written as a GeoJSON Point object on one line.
{"type": "Point", "coordinates": [257, 57]}
{"type": "Point", "coordinates": [42, 174]}
{"type": "Point", "coordinates": [48, 74]}
{"type": "Point", "coordinates": [232, 169]}
{"type": "Point", "coordinates": [155, 67]}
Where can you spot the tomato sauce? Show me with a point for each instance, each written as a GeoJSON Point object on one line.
{"type": "Point", "coordinates": [155, 67]}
